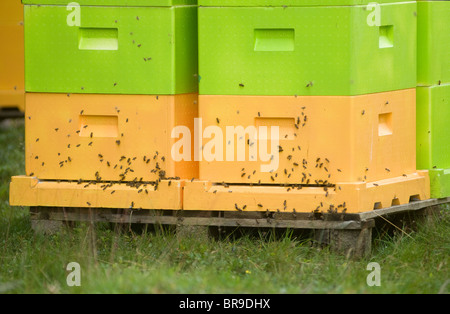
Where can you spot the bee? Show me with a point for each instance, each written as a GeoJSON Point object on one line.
{"type": "Point", "coordinates": [296, 126]}
{"type": "Point", "coordinates": [82, 111]}
{"type": "Point", "coordinates": [31, 174]}
{"type": "Point", "coordinates": [241, 85]}
{"type": "Point", "coordinates": [387, 169]}
{"type": "Point", "coordinates": [244, 207]}
{"type": "Point", "coordinates": [118, 142]}
{"type": "Point", "coordinates": [37, 140]}
{"type": "Point", "coordinates": [132, 205]}
{"type": "Point", "coordinates": [68, 146]}
{"type": "Point", "coordinates": [112, 192]}
{"type": "Point", "coordinates": [298, 120]}
{"type": "Point", "coordinates": [363, 112]}
{"type": "Point", "coordinates": [92, 134]}
{"type": "Point", "coordinates": [115, 84]}
{"type": "Point", "coordinates": [272, 178]}
{"type": "Point", "coordinates": [339, 170]}
{"type": "Point", "coordinates": [259, 114]}
{"type": "Point", "coordinates": [326, 159]}
{"type": "Point", "coordinates": [56, 130]}
{"type": "Point", "coordinates": [43, 163]}
{"type": "Point", "coordinates": [375, 184]}
{"type": "Point", "coordinates": [237, 207]}
{"type": "Point", "coordinates": [404, 175]}
{"type": "Point", "coordinates": [90, 143]}
{"type": "Point", "coordinates": [126, 121]}
{"type": "Point", "coordinates": [243, 174]}
{"type": "Point", "coordinates": [85, 126]}
{"type": "Point", "coordinates": [89, 204]}
{"type": "Point", "coordinates": [260, 205]}
{"type": "Point", "coordinates": [108, 164]}
{"type": "Point", "coordinates": [310, 84]}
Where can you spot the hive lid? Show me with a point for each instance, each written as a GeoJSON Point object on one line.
{"type": "Point", "coordinates": [125, 3]}
{"type": "Point", "coordinates": [292, 3]}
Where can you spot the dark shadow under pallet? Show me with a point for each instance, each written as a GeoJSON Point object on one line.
{"type": "Point", "coordinates": [347, 233]}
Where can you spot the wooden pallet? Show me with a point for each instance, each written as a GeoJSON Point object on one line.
{"type": "Point", "coordinates": [349, 233]}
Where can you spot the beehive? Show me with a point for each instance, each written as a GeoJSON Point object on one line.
{"type": "Point", "coordinates": [116, 48]}
{"type": "Point", "coordinates": [11, 55]}
{"type": "Point", "coordinates": [331, 153]}
{"type": "Point", "coordinates": [301, 48]}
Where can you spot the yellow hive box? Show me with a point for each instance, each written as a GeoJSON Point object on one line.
{"type": "Point", "coordinates": [12, 84]}
{"type": "Point", "coordinates": [332, 152]}
{"type": "Point", "coordinates": [106, 137]}
{"type": "Point", "coordinates": [104, 151]}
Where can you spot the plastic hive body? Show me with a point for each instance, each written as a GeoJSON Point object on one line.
{"type": "Point", "coordinates": [127, 3]}
{"type": "Point", "coordinates": [114, 50]}
{"type": "Point", "coordinates": [114, 137]}
{"type": "Point", "coordinates": [307, 50]}
{"type": "Point", "coordinates": [328, 138]}
{"type": "Point", "coordinates": [11, 55]}
{"type": "Point", "coordinates": [285, 3]}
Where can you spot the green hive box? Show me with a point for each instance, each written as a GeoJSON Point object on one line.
{"type": "Point", "coordinates": [254, 3]}
{"type": "Point", "coordinates": [114, 50]}
{"type": "Point", "coordinates": [314, 50]}
{"type": "Point", "coordinates": [433, 42]}
{"type": "Point", "coordinates": [433, 136]}
{"type": "Point", "coordinates": [128, 3]}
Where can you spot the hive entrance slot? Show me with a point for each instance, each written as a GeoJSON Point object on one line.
{"type": "Point", "coordinates": [274, 39]}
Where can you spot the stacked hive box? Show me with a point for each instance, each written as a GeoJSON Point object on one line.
{"type": "Point", "coordinates": [106, 82]}
{"type": "Point", "coordinates": [336, 77]}
{"type": "Point", "coordinates": [433, 94]}
{"type": "Point", "coordinates": [11, 56]}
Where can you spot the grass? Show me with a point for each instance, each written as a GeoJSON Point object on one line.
{"type": "Point", "coordinates": [117, 261]}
